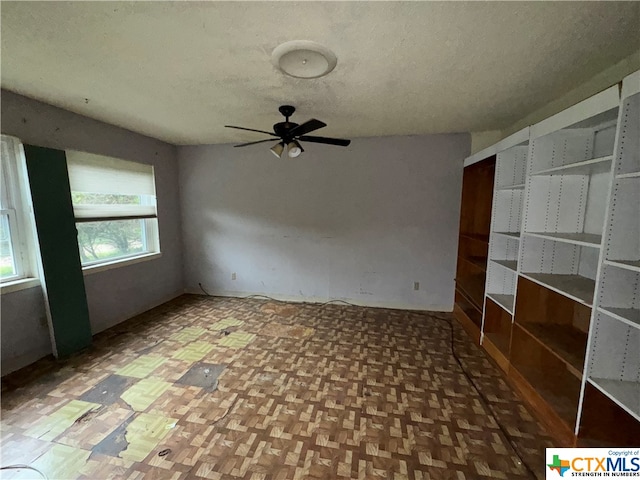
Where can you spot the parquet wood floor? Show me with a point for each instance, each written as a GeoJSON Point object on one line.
{"type": "Point", "coordinates": [221, 388]}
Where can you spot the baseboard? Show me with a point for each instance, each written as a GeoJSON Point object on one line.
{"type": "Point", "coordinates": [355, 301]}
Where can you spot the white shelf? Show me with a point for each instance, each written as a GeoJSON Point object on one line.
{"type": "Point", "coordinates": [628, 175]}
{"type": "Point", "coordinates": [633, 265]}
{"type": "Point", "coordinates": [630, 316]}
{"type": "Point", "coordinates": [585, 167]}
{"type": "Point", "coordinates": [519, 186]}
{"type": "Point", "coordinates": [625, 394]}
{"type": "Point", "coordinates": [584, 239]}
{"type": "Point", "coordinates": [513, 235]}
{"type": "Point", "coordinates": [575, 287]}
{"type": "Point", "coordinates": [505, 301]}
{"type": "Point", "coordinates": [511, 265]}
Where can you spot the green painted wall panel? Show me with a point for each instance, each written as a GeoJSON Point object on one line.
{"type": "Point", "coordinates": [57, 235]}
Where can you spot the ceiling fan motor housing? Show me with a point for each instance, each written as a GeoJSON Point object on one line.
{"type": "Point", "coordinates": [283, 128]}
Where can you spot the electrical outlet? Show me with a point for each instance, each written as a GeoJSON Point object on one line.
{"type": "Point", "coordinates": [416, 285]}
{"type": "Point", "coordinates": [233, 276]}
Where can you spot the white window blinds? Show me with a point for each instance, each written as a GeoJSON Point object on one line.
{"type": "Point", "coordinates": [106, 188]}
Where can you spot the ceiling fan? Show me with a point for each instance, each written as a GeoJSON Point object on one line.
{"type": "Point", "coordinates": [291, 134]}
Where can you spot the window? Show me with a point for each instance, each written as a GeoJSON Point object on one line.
{"type": "Point", "coordinates": [16, 245]}
{"type": "Point", "coordinates": [114, 204]}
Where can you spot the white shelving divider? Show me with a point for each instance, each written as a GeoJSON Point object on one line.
{"type": "Point", "coordinates": [613, 353]}
{"type": "Point", "coordinates": [506, 220]}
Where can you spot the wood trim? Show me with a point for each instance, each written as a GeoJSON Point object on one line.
{"type": "Point", "coordinates": [471, 328]}
{"type": "Point", "coordinates": [494, 352]}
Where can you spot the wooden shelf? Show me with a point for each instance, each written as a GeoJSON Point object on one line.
{"type": "Point", "coordinates": [564, 341]}
{"type": "Point", "coordinates": [586, 167]}
{"type": "Point", "coordinates": [513, 235]}
{"type": "Point", "coordinates": [547, 374]}
{"type": "Point", "coordinates": [508, 264]}
{"type": "Point", "coordinates": [623, 394]}
{"type": "Point", "coordinates": [505, 301]}
{"type": "Point", "coordinates": [633, 265]}
{"type": "Point", "coordinates": [605, 421]}
{"type": "Point", "coordinates": [478, 262]}
{"type": "Point", "coordinates": [584, 239]}
{"type": "Point", "coordinates": [472, 287]}
{"type": "Point", "coordinates": [630, 316]}
{"type": "Point", "coordinates": [475, 237]}
{"type": "Point", "coordinates": [496, 329]}
{"type": "Point", "coordinates": [574, 287]}
{"type": "Point", "coordinates": [556, 393]}
{"type": "Point", "coordinates": [519, 186]}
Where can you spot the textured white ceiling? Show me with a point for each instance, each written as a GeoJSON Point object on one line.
{"type": "Point", "coordinates": [180, 71]}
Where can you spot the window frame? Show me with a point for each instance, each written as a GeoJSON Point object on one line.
{"type": "Point", "coordinates": [16, 204]}
{"type": "Point", "coordinates": [150, 228]}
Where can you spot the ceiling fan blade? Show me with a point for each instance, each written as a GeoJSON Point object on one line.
{"type": "Point", "coordinates": [306, 127]}
{"type": "Point", "coordinates": [250, 129]}
{"type": "Point", "coordinates": [330, 141]}
{"type": "Point", "coordinates": [259, 141]}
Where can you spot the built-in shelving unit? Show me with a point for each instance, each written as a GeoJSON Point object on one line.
{"type": "Point", "coordinates": [612, 378]}
{"type": "Point", "coordinates": [562, 293]}
{"type": "Point", "coordinates": [473, 243]}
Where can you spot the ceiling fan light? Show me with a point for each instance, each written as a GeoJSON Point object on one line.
{"type": "Point", "coordinates": [277, 149]}
{"type": "Point", "coordinates": [294, 149]}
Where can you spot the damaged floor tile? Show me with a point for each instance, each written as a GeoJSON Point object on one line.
{"type": "Point", "coordinates": [142, 366]}
{"type": "Point", "coordinates": [115, 442]}
{"type": "Point", "coordinates": [204, 375]}
{"type": "Point", "coordinates": [143, 434]}
{"type": "Point", "coordinates": [108, 391]}
{"type": "Point", "coordinates": [188, 334]}
{"type": "Point", "coordinates": [142, 394]}
{"type": "Point", "coordinates": [53, 425]}
{"type": "Point", "coordinates": [226, 323]}
{"type": "Point", "coordinates": [193, 352]}
{"type": "Point", "coordinates": [63, 462]}
{"type": "Point", "coordinates": [237, 340]}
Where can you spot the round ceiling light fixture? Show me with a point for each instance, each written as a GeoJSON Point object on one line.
{"type": "Point", "coordinates": [304, 59]}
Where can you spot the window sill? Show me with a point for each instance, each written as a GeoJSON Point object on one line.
{"type": "Point", "coordinates": [17, 285]}
{"type": "Point", "coordinates": [91, 269]}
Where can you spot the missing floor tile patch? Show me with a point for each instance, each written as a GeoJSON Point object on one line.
{"type": "Point", "coordinates": [115, 442]}
{"type": "Point", "coordinates": [143, 435]}
{"type": "Point", "coordinates": [108, 391]}
{"type": "Point", "coordinates": [203, 375]}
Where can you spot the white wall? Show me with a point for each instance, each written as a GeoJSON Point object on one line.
{"type": "Point", "coordinates": [113, 295]}
{"type": "Point", "coordinates": [361, 223]}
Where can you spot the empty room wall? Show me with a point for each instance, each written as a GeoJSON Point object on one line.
{"type": "Point", "coordinates": [361, 223]}
{"type": "Point", "coordinates": [113, 295]}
